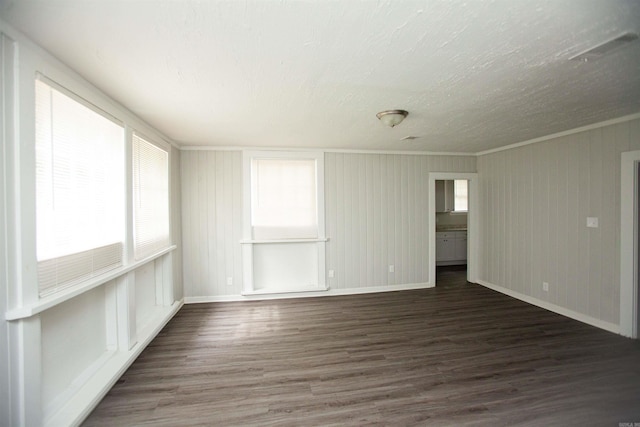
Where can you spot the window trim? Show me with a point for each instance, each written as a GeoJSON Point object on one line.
{"type": "Point", "coordinates": [249, 245]}
{"type": "Point", "coordinates": [52, 290]}
{"type": "Point", "coordinates": [49, 301]}
{"type": "Point", "coordinates": [40, 301]}
{"type": "Point", "coordinates": [79, 99]}
{"type": "Point", "coordinates": [248, 156]}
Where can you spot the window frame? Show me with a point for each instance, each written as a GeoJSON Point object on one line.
{"type": "Point", "coordinates": [61, 260]}
{"type": "Point", "coordinates": [42, 298]}
{"type": "Point", "coordinates": [249, 156]}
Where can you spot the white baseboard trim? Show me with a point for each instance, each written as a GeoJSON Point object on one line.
{"type": "Point", "coordinates": [284, 291]}
{"type": "Point", "coordinates": [87, 397]}
{"type": "Point", "coordinates": [328, 293]}
{"type": "Point", "coordinates": [607, 326]}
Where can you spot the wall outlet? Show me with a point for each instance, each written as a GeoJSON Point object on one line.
{"type": "Point", "coordinates": [229, 281]}
{"type": "Point", "coordinates": [545, 286]}
{"type": "Point", "coordinates": [332, 273]}
{"type": "Point", "coordinates": [592, 222]}
{"type": "Point", "coordinates": [392, 268]}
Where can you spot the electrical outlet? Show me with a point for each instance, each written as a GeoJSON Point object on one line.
{"type": "Point", "coordinates": [392, 269]}
{"type": "Point", "coordinates": [592, 222]}
{"type": "Point", "coordinates": [331, 273]}
{"type": "Point", "coordinates": [229, 281]}
{"type": "Point", "coordinates": [545, 286]}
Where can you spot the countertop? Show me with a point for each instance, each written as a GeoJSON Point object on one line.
{"type": "Point", "coordinates": [444, 228]}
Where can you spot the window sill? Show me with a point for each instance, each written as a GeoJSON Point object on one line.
{"type": "Point", "coordinates": [52, 300]}
{"type": "Point", "coordinates": [257, 241]}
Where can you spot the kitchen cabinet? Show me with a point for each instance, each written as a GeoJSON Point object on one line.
{"type": "Point", "coordinates": [460, 246]}
{"type": "Point", "coordinates": [451, 248]}
{"type": "Point", "coordinates": [444, 195]}
{"type": "Point", "coordinates": [445, 247]}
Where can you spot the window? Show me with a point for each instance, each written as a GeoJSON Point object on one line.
{"type": "Point", "coordinates": [283, 220]}
{"type": "Point", "coordinates": [150, 198]}
{"type": "Point", "coordinates": [284, 198]}
{"type": "Point", "coordinates": [80, 190]}
{"type": "Point", "coordinates": [461, 195]}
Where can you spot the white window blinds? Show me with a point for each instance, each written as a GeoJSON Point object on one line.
{"type": "Point", "coordinates": [150, 198]}
{"type": "Point", "coordinates": [80, 190]}
{"type": "Point", "coordinates": [461, 195]}
{"type": "Point", "coordinates": [284, 199]}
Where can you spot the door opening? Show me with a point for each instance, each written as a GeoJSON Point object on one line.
{"type": "Point", "coordinates": [630, 244]}
{"type": "Point", "coordinates": [636, 258]}
{"type": "Point", "coordinates": [452, 209]}
{"type": "Point", "coordinates": [453, 199]}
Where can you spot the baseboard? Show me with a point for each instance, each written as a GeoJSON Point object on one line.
{"type": "Point", "coordinates": [87, 397]}
{"type": "Point", "coordinates": [327, 293]}
{"type": "Point", "coordinates": [607, 326]}
{"type": "Point", "coordinates": [376, 289]}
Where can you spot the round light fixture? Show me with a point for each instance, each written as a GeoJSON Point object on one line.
{"type": "Point", "coordinates": [392, 118]}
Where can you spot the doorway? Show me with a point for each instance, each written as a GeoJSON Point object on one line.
{"type": "Point", "coordinates": [471, 224]}
{"type": "Point", "coordinates": [452, 209]}
{"type": "Point", "coordinates": [630, 244]}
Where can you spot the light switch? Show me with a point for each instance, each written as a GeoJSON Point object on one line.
{"type": "Point", "coordinates": [331, 273]}
{"type": "Point", "coordinates": [592, 222]}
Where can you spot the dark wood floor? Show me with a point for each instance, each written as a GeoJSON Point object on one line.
{"type": "Point", "coordinates": [458, 354]}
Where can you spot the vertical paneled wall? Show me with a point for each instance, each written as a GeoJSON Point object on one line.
{"type": "Point", "coordinates": [377, 216]}
{"type": "Point", "coordinates": [211, 222]}
{"type": "Point", "coordinates": [375, 212]}
{"type": "Point", "coordinates": [534, 204]}
{"type": "Point", "coordinates": [176, 223]}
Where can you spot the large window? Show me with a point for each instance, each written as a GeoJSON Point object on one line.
{"type": "Point", "coordinates": [151, 198]}
{"type": "Point", "coordinates": [283, 217]}
{"type": "Point", "coordinates": [284, 198]}
{"type": "Point", "coordinates": [80, 190]}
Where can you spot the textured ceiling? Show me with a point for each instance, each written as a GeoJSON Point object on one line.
{"type": "Point", "coordinates": [474, 75]}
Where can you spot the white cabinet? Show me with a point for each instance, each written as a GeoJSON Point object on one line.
{"type": "Point", "coordinates": [445, 247]}
{"type": "Point", "coordinates": [460, 246]}
{"type": "Point", "coordinates": [444, 195]}
{"type": "Point", "coordinates": [451, 248]}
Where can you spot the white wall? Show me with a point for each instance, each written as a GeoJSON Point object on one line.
{"type": "Point", "coordinates": [375, 209]}
{"type": "Point", "coordinates": [60, 354]}
{"type": "Point", "coordinates": [74, 335]}
{"type": "Point", "coordinates": [176, 221]}
{"type": "Point", "coordinates": [377, 215]}
{"type": "Point", "coordinates": [211, 222]}
{"type": "Point", "coordinates": [5, 396]}
{"type": "Point", "coordinates": [534, 203]}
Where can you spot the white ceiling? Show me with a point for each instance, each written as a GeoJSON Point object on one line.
{"type": "Point", "coordinates": [474, 75]}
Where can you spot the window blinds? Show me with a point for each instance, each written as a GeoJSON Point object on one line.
{"type": "Point", "coordinates": [284, 200]}
{"type": "Point", "coordinates": [151, 198]}
{"type": "Point", "coordinates": [461, 195]}
{"type": "Point", "coordinates": [79, 190]}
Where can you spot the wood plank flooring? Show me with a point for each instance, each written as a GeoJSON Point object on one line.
{"type": "Point", "coordinates": [458, 354]}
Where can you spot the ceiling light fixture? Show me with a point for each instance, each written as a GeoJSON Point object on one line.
{"type": "Point", "coordinates": [392, 118]}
